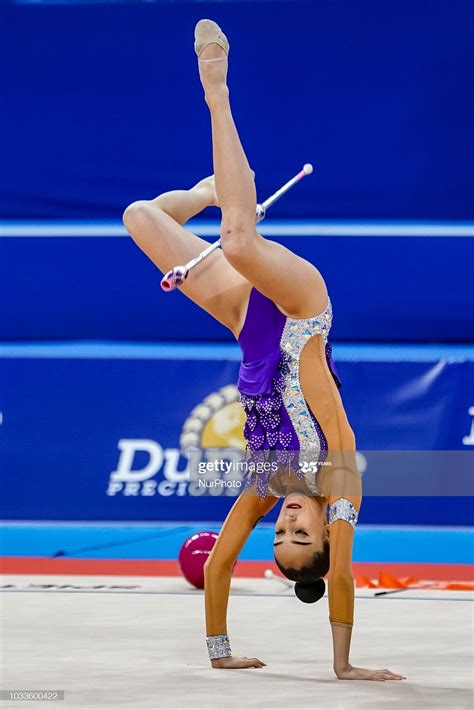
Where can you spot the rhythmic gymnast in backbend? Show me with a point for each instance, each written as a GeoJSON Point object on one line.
{"type": "Point", "coordinates": [267, 296]}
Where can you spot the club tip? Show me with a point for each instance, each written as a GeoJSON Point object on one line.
{"type": "Point", "coordinates": [307, 168]}
{"type": "Point", "coordinates": [174, 278]}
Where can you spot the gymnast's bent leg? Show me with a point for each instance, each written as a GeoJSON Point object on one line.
{"type": "Point", "coordinates": [156, 227]}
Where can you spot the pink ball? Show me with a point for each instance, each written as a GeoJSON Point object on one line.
{"type": "Point", "coordinates": [193, 555]}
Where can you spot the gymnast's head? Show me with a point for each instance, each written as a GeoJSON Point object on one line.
{"type": "Point", "coordinates": [301, 544]}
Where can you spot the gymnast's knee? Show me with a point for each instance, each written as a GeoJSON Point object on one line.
{"type": "Point", "coordinates": [140, 216]}
{"type": "Point", "coordinates": [136, 215]}
{"type": "Point", "coordinates": [238, 236]}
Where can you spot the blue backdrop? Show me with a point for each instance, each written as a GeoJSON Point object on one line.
{"type": "Point", "coordinates": [387, 289]}
{"type": "Point", "coordinates": [101, 105]}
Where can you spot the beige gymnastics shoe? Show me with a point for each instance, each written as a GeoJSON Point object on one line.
{"type": "Point", "coordinates": [208, 32]}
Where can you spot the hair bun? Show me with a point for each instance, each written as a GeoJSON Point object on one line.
{"type": "Point", "coordinates": [310, 593]}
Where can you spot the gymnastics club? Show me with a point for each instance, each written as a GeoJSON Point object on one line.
{"type": "Point", "coordinates": [179, 274]}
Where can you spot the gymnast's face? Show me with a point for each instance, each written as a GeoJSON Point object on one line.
{"type": "Point", "coordinates": [300, 530]}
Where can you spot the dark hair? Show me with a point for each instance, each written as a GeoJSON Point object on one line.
{"type": "Point", "coordinates": [309, 580]}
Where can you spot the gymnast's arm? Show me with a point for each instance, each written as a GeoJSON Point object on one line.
{"type": "Point", "coordinates": [341, 601]}
{"type": "Point", "coordinates": [238, 525]}
{"type": "Point", "coordinates": [341, 588]}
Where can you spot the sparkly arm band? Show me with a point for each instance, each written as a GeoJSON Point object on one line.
{"type": "Point", "coordinates": [218, 646]}
{"type": "Point", "coordinates": [342, 509]}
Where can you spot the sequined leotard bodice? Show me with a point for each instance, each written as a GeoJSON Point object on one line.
{"type": "Point", "coordinates": [278, 417]}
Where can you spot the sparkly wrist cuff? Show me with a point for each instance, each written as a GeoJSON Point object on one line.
{"type": "Point", "coordinates": [343, 509]}
{"type": "Point", "coordinates": [218, 646]}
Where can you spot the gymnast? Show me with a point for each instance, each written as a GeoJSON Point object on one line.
{"type": "Point", "coordinates": [268, 297]}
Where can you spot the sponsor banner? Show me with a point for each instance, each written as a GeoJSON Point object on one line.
{"type": "Point", "coordinates": [98, 439]}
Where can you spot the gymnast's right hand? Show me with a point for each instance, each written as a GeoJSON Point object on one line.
{"type": "Point", "coordinates": [233, 662]}
{"type": "Point", "coordinates": [351, 673]}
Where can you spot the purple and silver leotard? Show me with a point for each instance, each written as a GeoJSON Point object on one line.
{"type": "Point", "coordinates": [278, 417]}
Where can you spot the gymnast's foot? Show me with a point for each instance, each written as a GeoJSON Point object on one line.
{"type": "Point", "coordinates": [212, 48]}
{"type": "Point", "coordinates": [207, 187]}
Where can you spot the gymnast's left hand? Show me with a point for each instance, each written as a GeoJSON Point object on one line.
{"type": "Point", "coordinates": [351, 673]}
{"type": "Point", "coordinates": [234, 662]}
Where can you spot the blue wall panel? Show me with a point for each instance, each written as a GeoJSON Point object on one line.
{"type": "Point", "coordinates": [391, 289]}
{"type": "Point", "coordinates": [101, 105]}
